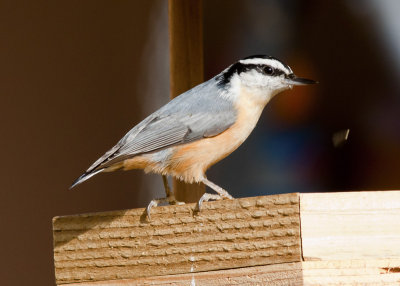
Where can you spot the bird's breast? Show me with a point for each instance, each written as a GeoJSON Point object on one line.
{"type": "Point", "coordinates": [196, 157]}
{"type": "Point", "coordinates": [189, 161]}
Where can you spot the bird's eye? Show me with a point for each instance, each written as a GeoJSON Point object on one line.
{"type": "Point", "coordinates": [268, 70]}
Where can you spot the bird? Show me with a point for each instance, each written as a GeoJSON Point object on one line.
{"type": "Point", "coordinates": [200, 127]}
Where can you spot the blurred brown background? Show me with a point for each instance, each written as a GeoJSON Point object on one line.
{"type": "Point", "coordinates": [76, 75]}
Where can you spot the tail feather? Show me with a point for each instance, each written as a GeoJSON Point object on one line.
{"type": "Point", "coordinates": [84, 177]}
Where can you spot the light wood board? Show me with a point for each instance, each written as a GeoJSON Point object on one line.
{"type": "Point", "coordinates": [350, 225]}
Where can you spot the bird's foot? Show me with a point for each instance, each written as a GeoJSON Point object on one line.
{"type": "Point", "coordinates": [170, 200]}
{"type": "Point", "coordinates": [207, 197]}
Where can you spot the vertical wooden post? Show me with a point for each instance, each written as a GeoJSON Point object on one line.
{"type": "Point", "coordinates": [186, 66]}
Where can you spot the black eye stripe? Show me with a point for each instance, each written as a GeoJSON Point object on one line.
{"type": "Point", "coordinates": [238, 68]}
{"type": "Point", "coordinates": [268, 70]}
{"type": "Point", "coordinates": [225, 77]}
{"type": "Point", "coordinates": [260, 68]}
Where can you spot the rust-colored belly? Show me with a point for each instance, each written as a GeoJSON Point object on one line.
{"type": "Point", "coordinates": [190, 161]}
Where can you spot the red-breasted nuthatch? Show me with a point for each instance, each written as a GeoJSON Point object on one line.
{"type": "Point", "coordinates": [201, 126]}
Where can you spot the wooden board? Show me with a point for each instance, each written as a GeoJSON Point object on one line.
{"type": "Point", "coordinates": [275, 274]}
{"type": "Point", "coordinates": [346, 239]}
{"type": "Point", "coordinates": [351, 225]}
{"type": "Point", "coordinates": [350, 272]}
{"type": "Point", "coordinates": [224, 235]}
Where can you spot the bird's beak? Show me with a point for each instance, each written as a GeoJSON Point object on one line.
{"type": "Point", "coordinates": [294, 80]}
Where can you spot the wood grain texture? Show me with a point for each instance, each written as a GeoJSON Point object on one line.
{"type": "Point", "coordinates": [351, 225]}
{"type": "Point", "coordinates": [272, 275]}
{"type": "Point", "coordinates": [225, 234]}
{"type": "Point", "coordinates": [349, 272]}
{"type": "Point", "coordinates": [186, 66]}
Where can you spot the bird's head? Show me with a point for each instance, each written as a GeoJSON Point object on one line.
{"type": "Point", "coordinates": [260, 74]}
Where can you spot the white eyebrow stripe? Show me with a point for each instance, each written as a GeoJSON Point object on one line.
{"type": "Point", "coordinates": [271, 62]}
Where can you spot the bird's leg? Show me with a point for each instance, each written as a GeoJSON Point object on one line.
{"type": "Point", "coordinates": [170, 195]}
{"type": "Point", "coordinates": [170, 198]}
{"type": "Point", "coordinates": [221, 193]}
{"type": "Point", "coordinates": [224, 194]}
{"type": "Point", "coordinates": [166, 186]}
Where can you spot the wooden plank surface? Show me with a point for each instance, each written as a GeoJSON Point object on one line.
{"type": "Point", "coordinates": [271, 275]}
{"type": "Point", "coordinates": [351, 272]}
{"type": "Point", "coordinates": [186, 66]}
{"type": "Point", "coordinates": [350, 225]}
{"type": "Point", "coordinates": [346, 239]}
{"type": "Point", "coordinates": [337, 272]}
{"type": "Point", "coordinates": [225, 234]}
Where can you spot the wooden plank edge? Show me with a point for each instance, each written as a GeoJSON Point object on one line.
{"type": "Point", "coordinates": [336, 272]}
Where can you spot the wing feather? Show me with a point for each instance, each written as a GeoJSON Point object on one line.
{"type": "Point", "coordinates": [187, 118]}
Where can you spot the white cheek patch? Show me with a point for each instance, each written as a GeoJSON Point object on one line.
{"type": "Point", "coordinates": [261, 84]}
{"type": "Point", "coordinates": [270, 62]}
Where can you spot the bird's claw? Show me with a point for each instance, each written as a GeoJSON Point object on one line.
{"type": "Point", "coordinates": [170, 200]}
{"type": "Point", "coordinates": [207, 197]}
{"type": "Point", "coordinates": [150, 205]}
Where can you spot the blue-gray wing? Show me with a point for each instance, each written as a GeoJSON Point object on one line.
{"type": "Point", "coordinates": [163, 132]}
{"type": "Point", "coordinates": [201, 112]}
